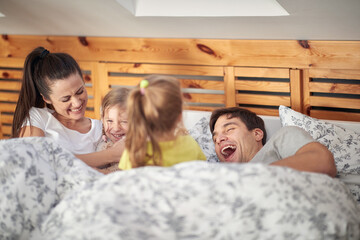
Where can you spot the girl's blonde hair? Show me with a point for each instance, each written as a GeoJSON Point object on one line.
{"type": "Point", "coordinates": [116, 96]}
{"type": "Point", "coordinates": [153, 112]}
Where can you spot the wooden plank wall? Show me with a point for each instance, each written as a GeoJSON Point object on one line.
{"type": "Point", "coordinates": [318, 78]}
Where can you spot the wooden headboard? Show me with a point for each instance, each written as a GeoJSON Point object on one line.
{"type": "Point", "coordinates": [318, 78]}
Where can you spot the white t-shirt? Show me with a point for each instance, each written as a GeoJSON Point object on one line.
{"type": "Point", "coordinates": [74, 141]}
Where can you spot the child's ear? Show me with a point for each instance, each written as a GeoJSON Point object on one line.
{"type": "Point", "coordinates": [45, 100]}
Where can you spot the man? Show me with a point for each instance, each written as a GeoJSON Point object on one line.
{"type": "Point", "coordinates": [239, 135]}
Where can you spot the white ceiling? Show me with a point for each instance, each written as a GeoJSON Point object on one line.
{"type": "Point", "coordinates": [308, 19]}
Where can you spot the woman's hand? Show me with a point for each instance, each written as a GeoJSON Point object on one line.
{"type": "Point", "coordinates": [117, 149]}
{"type": "Point", "coordinates": [107, 156]}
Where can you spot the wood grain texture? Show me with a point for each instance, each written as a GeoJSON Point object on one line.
{"type": "Point", "coordinates": [213, 52]}
{"type": "Point", "coordinates": [296, 97]}
{"type": "Point", "coordinates": [212, 72]}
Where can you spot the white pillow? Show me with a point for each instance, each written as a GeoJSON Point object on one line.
{"type": "Point", "coordinates": [202, 135]}
{"type": "Point", "coordinates": [343, 143]}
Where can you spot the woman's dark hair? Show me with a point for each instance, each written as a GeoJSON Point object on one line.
{"type": "Point", "coordinates": [41, 70]}
{"type": "Point", "coordinates": [249, 118]}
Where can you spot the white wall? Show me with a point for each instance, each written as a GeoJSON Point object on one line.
{"type": "Point", "coordinates": [309, 19]}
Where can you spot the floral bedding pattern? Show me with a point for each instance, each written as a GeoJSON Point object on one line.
{"type": "Point", "coordinates": [343, 143]}
{"type": "Point", "coordinates": [202, 135]}
{"type": "Point", "coordinates": [35, 175]}
{"type": "Point", "coordinates": [47, 193]}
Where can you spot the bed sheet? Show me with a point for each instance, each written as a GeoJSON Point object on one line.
{"type": "Point", "coordinates": [50, 194]}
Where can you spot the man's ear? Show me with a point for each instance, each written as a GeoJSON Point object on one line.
{"type": "Point", "coordinates": [45, 100]}
{"type": "Point", "coordinates": [259, 134]}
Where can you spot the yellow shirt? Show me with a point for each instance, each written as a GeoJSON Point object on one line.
{"type": "Point", "coordinates": [182, 149]}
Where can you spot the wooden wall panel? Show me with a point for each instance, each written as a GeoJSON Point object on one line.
{"type": "Point", "coordinates": [203, 86]}
{"type": "Point", "coordinates": [220, 52]}
{"type": "Point", "coordinates": [262, 90]}
{"type": "Point", "coordinates": [332, 94]}
{"type": "Point", "coordinates": [318, 78]}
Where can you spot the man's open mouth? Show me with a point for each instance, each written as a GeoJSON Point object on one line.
{"type": "Point", "coordinates": [228, 150]}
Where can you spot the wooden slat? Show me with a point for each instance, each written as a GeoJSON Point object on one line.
{"type": "Point", "coordinates": [335, 115]}
{"type": "Point", "coordinates": [258, 99]}
{"type": "Point", "coordinates": [11, 62]}
{"type": "Point", "coordinates": [101, 85]}
{"type": "Point", "coordinates": [185, 83]}
{"type": "Point", "coordinates": [90, 102]}
{"type": "Point", "coordinates": [9, 96]}
{"type": "Point", "coordinates": [229, 85]}
{"type": "Point", "coordinates": [10, 74]}
{"type": "Point", "coordinates": [124, 81]}
{"type": "Point", "coordinates": [6, 130]}
{"type": "Point", "coordinates": [335, 73]}
{"type": "Point", "coordinates": [90, 91]}
{"type": "Point", "coordinates": [334, 102]}
{"type": "Point", "coordinates": [1, 131]}
{"type": "Point", "coordinates": [10, 85]}
{"type": "Point", "coordinates": [262, 72]}
{"type": "Point", "coordinates": [334, 88]}
{"type": "Point", "coordinates": [306, 92]}
{"type": "Point", "coordinates": [7, 107]}
{"type": "Point", "coordinates": [220, 52]}
{"type": "Point", "coordinates": [264, 111]}
{"type": "Point", "coordinates": [262, 86]}
{"type": "Point", "coordinates": [201, 84]}
{"type": "Point", "coordinates": [199, 108]}
{"type": "Point", "coordinates": [90, 114]}
{"type": "Point", "coordinates": [138, 68]}
{"type": "Point", "coordinates": [296, 86]}
{"type": "Point", "coordinates": [5, 118]}
{"type": "Point", "coordinates": [204, 98]}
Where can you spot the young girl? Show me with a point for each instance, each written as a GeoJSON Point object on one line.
{"type": "Point", "coordinates": [156, 135]}
{"type": "Point", "coordinates": [114, 119]}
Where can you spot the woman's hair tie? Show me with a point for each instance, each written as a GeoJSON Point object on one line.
{"type": "Point", "coordinates": [44, 53]}
{"type": "Point", "coordinates": [143, 84]}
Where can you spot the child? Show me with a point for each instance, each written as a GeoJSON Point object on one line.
{"type": "Point", "coordinates": [114, 119]}
{"type": "Point", "coordinates": [155, 133]}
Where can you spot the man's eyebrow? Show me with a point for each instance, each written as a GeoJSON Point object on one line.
{"type": "Point", "coordinates": [225, 125]}
{"type": "Point", "coordinates": [230, 123]}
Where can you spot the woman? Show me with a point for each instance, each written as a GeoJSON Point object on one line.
{"type": "Point", "coordinates": [52, 103]}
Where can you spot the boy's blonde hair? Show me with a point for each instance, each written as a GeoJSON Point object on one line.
{"type": "Point", "coordinates": [116, 96]}
{"type": "Point", "coordinates": [153, 112]}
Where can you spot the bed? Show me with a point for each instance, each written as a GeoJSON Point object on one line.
{"type": "Point", "coordinates": [47, 193]}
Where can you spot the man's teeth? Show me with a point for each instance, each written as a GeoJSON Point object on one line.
{"type": "Point", "coordinates": [227, 147]}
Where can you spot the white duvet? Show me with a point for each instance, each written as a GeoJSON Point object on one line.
{"type": "Point", "coordinates": [47, 193]}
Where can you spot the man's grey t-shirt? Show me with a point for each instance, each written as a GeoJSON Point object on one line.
{"type": "Point", "coordinates": [286, 142]}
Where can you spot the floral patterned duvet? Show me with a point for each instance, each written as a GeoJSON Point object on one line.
{"type": "Point", "coordinates": [47, 193]}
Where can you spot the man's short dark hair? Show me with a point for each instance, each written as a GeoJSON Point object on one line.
{"type": "Point", "coordinates": [249, 118]}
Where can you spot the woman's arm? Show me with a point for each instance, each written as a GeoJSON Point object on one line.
{"type": "Point", "coordinates": [95, 159]}
{"type": "Point", "coordinates": [101, 158]}
{"type": "Point", "coordinates": [30, 131]}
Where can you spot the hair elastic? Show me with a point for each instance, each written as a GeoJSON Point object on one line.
{"type": "Point", "coordinates": [143, 84]}
{"type": "Point", "coordinates": [44, 53]}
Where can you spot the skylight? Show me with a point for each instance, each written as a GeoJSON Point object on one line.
{"type": "Point", "coordinates": [203, 8]}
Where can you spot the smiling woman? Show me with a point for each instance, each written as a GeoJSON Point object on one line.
{"type": "Point", "coordinates": [52, 103]}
